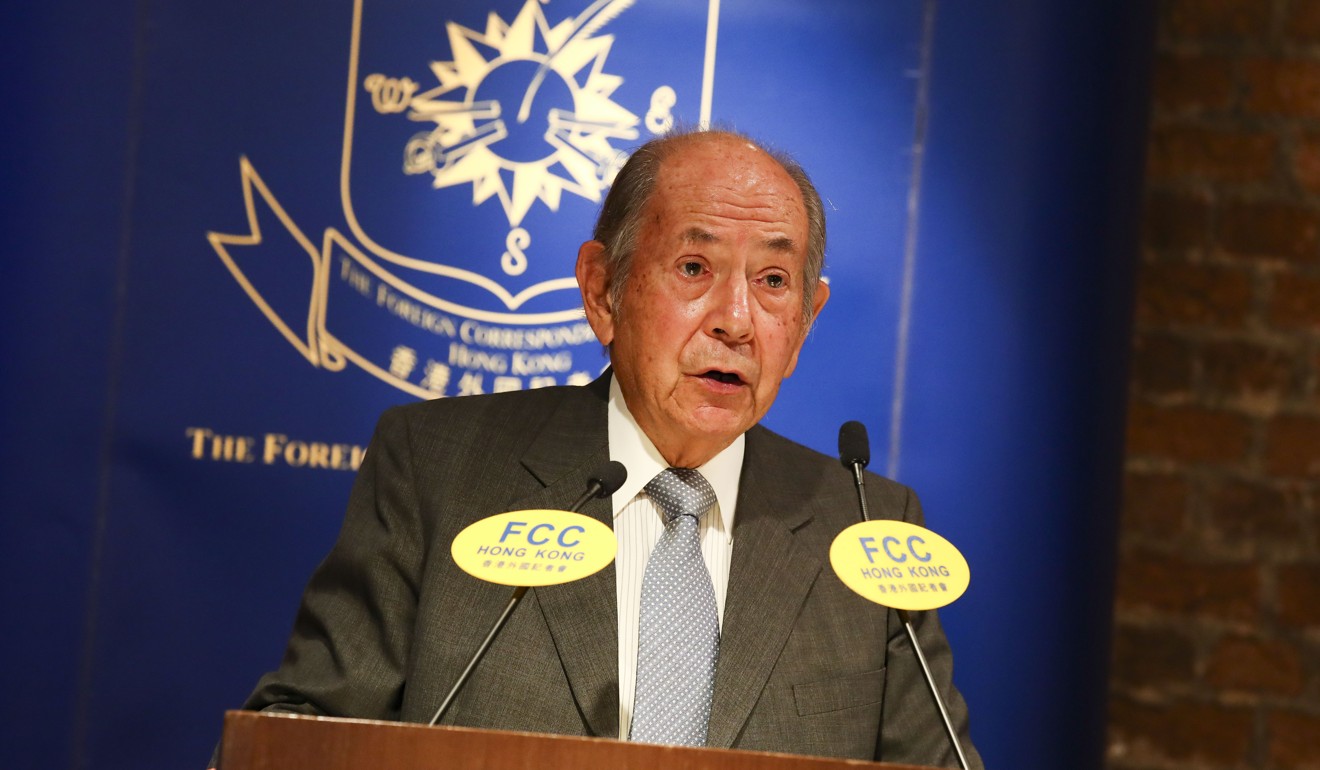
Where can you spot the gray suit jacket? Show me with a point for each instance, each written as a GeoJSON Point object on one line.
{"type": "Point", "coordinates": [388, 620]}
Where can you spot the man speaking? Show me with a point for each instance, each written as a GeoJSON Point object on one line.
{"type": "Point", "coordinates": [720, 623]}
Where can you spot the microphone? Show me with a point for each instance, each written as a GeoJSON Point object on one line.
{"type": "Point", "coordinates": [604, 482]}
{"type": "Point", "coordinates": [854, 448]}
{"type": "Point", "coordinates": [855, 453]}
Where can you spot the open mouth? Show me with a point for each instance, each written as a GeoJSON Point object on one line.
{"type": "Point", "coordinates": [728, 378]}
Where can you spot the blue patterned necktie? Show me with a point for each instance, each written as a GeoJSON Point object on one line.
{"type": "Point", "coordinates": [679, 632]}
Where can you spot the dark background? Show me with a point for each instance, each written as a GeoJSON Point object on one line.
{"type": "Point", "coordinates": [145, 591]}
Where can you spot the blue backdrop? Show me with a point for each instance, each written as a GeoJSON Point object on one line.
{"type": "Point", "coordinates": [238, 231]}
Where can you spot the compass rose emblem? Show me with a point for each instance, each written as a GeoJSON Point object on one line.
{"type": "Point", "coordinates": [523, 112]}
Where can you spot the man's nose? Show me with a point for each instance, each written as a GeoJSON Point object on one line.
{"type": "Point", "coordinates": [730, 319]}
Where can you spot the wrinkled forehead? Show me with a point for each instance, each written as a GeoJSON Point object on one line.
{"type": "Point", "coordinates": [725, 157]}
{"type": "Point", "coordinates": [722, 175]}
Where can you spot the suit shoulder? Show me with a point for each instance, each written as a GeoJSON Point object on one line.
{"type": "Point", "coordinates": [477, 407]}
{"type": "Point", "coordinates": [787, 459]}
{"type": "Point", "coordinates": [516, 413]}
{"type": "Point", "coordinates": [774, 445]}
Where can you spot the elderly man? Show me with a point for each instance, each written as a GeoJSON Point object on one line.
{"type": "Point", "coordinates": [720, 623]}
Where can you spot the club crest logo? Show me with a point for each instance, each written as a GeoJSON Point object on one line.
{"type": "Point", "coordinates": [476, 151]}
{"type": "Point", "coordinates": [556, 138]}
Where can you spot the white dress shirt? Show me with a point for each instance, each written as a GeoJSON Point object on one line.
{"type": "Point", "coordinates": [638, 524]}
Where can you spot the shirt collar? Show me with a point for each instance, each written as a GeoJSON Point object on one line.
{"type": "Point", "coordinates": [630, 445]}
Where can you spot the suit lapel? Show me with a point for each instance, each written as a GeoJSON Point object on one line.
{"type": "Point", "coordinates": [769, 578]}
{"type": "Point", "coordinates": [583, 615]}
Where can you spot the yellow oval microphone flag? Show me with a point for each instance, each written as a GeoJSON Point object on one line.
{"type": "Point", "coordinates": [534, 548]}
{"type": "Point", "coordinates": [899, 565]}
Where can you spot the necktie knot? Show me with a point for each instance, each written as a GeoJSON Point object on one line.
{"type": "Point", "coordinates": [681, 492]}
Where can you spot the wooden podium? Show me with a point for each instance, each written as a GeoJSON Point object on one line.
{"type": "Point", "coordinates": [254, 741]}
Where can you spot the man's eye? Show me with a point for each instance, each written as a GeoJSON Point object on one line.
{"type": "Point", "coordinates": [775, 281]}
{"type": "Point", "coordinates": [692, 269]}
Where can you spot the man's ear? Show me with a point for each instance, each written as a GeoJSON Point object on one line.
{"type": "Point", "coordinates": [593, 279]}
{"type": "Point", "coordinates": [817, 302]}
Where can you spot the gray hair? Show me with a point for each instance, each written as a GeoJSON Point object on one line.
{"type": "Point", "coordinates": [620, 218]}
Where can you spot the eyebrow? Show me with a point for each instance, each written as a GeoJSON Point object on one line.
{"type": "Point", "coordinates": [697, 235]}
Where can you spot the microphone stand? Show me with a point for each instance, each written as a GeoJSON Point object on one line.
{"type": "Point", "coordinates": [595, 487]}
{"type": "Point", "coordinates": [935, 693]}
{"type": "Point", "coordinates": [906, 619]}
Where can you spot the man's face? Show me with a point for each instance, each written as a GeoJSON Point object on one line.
{"type": "Point", "coordinates": [710, 319]}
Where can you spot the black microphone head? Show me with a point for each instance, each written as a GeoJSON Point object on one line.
{"type": "Point", "coordinates": [854, 448]}
{"type": "Point", "coordinates": [610, 477]}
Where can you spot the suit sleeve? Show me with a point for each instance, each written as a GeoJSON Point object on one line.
{"type": "Point", "coordinates": [910, 727]}
{"type": "Point", "coordinates": [350, 640]}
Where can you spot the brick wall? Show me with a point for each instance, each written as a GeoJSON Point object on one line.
{"type": "Point", "coordinates": [1217, 618]}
